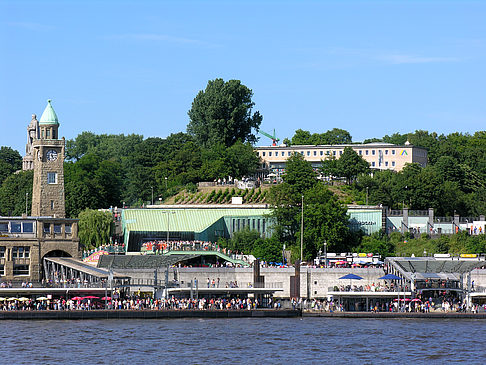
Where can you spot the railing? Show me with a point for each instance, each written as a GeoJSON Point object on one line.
{"type": "Point", "coordinates": [356, 289]}
{"type": "Point", "coordinates": [113, 249]}
{"type": "Point", "coordinates": [418, 213]}
{"type": "Point", "coordinates": [275, 285]}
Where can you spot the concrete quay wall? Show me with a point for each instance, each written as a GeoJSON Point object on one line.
{"type": "Point", "coordinates": [146, 314]}
{"type": "Point", "coordinates": [398, 315]}
{"type": "Point", "coordinates": [314, 282]}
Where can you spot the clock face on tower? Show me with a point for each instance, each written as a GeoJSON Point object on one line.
{"type": "Point", "coordinates": [51, 155]}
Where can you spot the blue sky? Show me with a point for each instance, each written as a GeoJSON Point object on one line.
{"type": "Point", "coordinates": [370, 67]}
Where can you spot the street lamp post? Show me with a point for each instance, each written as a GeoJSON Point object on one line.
{"type": "Point", "coordinates": [166, 183]}
{"type": "Point", "coordinates": [325, 254]}
{"type": "Point", "coordinates": [152, 195]}
{"type": "Point", "coordinates": [302, 231]}
{"type": "Point", "coordinates": [168, 221]}
{"type": "Point", "coordinates": [366, 195]}
{"type": "Point", "coordinates": [26, 199]}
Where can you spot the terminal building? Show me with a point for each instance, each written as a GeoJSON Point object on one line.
{"type": "Point", "coordinates": [380, 156]}
{"type": "Point", "coordinates": [27, 240]}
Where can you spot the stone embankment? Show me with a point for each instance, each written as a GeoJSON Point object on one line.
{"type": "Point", "coordinates": [146, 314]}
{"type": "Point", "coordinates": [384, 315]}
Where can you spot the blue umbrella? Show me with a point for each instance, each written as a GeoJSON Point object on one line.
{"type": "Point", "coordinates": [390, 277]}
{"type": "Point", "coordinates": [351, 277]}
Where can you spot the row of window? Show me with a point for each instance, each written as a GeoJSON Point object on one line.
{"type": "Point", "coordinates": [386, 163]}
{"type": "Point", "coordinates": [16, 227]}
{"type": "Point", "coordinates": [321, 153]}
{"type": "Point", "coordinates": [18, 270]}
{"type": "Point", "coordinates": [28, 227]}
{"type": "Point", "coordinates": [252, 224]}
{"type": "Point", "coordinates": [57, 228]}
{"type": "Point", "coordinates": [18, 252]}
{"type": "Point", "coordinates": [47, 133]}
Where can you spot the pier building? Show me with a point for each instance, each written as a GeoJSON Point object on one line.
{"type": "Point", "coordinates": [26, 240]}
{"type": "Point", "coordinates": [380, 156]}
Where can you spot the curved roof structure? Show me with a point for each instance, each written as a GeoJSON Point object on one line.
{"type": "Point", "coordinates": [49, 115]}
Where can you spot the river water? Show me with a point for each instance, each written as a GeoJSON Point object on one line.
{"type": "Point", "coordinates": [244, 341]}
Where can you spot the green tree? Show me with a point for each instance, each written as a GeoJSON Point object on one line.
{"type": "Point", "coordinates": [378, 243]}
{"type": "Point", "coordinates": [324, 217]}
{"type": "Point", "coordinates": [222, 113]}
{"type": "Point", "coordinates": [268, 249]}
{"type": "Point", "coordinates": [13, 192]}
{"type": "Point", "coordinates": [94, 228]}
{"type": "Point", "coordinates": [301, 137]}
{"type": "Point", "coordinates": [91, 183]}
{"type": "Point", "coordinates": [332, 137]}
{"type": "Point", "coordinates": [299, 174]}
{"type": "Point", "coordinates": [350, 165]}
{"type": "Point", "coordinates": [10, 161]}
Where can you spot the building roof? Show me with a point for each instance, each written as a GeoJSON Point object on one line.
{"type": "Point", "coordinates": [140, 261]}
{"type": "Point", "coordinates": [328, 146]}
{"type": "Point", "coordinates": [49, 115]}
{"type": "Point", "coordinates": [430, 265]}
{"type": "Point", "coordinates": [181, 220]}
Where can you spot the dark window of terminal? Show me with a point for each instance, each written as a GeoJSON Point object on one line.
{"type": "Point", "coordinates": [57, 228]}
{"type": "Point", "coordinates": [3, 226]}
{"type": "Point", "coordinates": [67, 228]}
{"type": "Point", "coordinates": [2, 270]}
{"type": "Point", "coordinates": [15, 227]}
{"type": "Point", "coordinates": [263, 226]}
{"type": "Point", "coordinates": [47, 227]}
{"type": "Point", "coordinates": [27, 227]}
{"type": "Point", "coordinates": [2, 251]}
{"type": "Point", "coordinates": [20, 270]}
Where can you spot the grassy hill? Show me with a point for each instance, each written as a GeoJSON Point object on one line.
{"type": "Point", "coordinates": [223, 194]}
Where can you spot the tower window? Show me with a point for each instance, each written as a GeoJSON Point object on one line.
{"type": "Point", "coordinates": [48, 133]}
{"type": "Point", "coordinates": [52, 204]}
{"type": "Point", "coordinates": [52, 178]}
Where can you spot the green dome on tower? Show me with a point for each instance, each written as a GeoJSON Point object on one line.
{"type": "Point", "coordinates": [49, 116]}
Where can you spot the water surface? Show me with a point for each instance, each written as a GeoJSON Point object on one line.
{"type": "Point", "coordinates": [244, 341]}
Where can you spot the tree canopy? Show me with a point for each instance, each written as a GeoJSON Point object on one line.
{"type": "Point", "coordinates": [94, 228]}
{"type": "Point", "coordinates": [10, 161]}
{"type": "Point", "coordinates": [324, 217]}
{"type": "Point", "coordinates": [333, 136]}
{"type": "Point", "coordinates": [222, 114]}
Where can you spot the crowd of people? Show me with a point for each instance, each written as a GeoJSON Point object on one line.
{"type": "Point", "coordinates": [162, 246]}
{"type": "Point", "coordinates": [369, 288]}
{"type": "Point", "coordinates": [133, 303]}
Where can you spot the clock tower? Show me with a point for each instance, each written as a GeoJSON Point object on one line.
{"type": "Point", "coordinates": [48, 153]}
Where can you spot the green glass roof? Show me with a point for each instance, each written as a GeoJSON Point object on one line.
{"type": "Point", "coordinates": [49, 116]}
{"type": "Point", "coordinates": [180, 220]}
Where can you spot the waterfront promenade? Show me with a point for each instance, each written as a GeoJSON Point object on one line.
{"type": "Point", "coordinates": [254, 313]}
{"type": "Point", "coordinates": [145, 314]}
